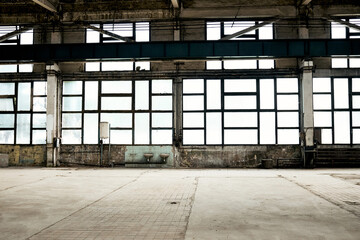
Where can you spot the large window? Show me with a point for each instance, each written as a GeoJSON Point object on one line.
{"type": "Point", "coordinates": [23, 112]}
{"type": "Point", "coordinates": [337, 109]}
{"type": "Point", "coordinates": [216, 30]}
{"type": "Point", "coordinates": [139, 112]}
{"type": "Point", "coordinates": [139, 32]}
{"type": "Point", "coordinates": [240, 111]}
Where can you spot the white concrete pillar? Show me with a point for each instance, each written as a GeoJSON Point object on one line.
{"type": "Point", "coordinates": [307, 102]}
{"type": "Point", "coordinates": [52, 114]}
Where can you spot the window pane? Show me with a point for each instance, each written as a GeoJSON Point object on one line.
{"type": "Point", "coordinates": [339, 63]}
{"type": "Point", "coordinates": [267, 128]}
{"type": "Point", "coordinates": [356, 102]}
{"type": "Point", "coordinates": [23, 129]}
{"type": "Point", "coordinates": [287, 85]}
{"type": "Point", "coordinates": [39, 136]}
{"type": "Point", "coordinates": [121, 137]}
{"type": "Point", "coordinates": [193, 103]}
{"type": "Point", "coordinates": [236, 26]}
{"type": "Point", "coordinates": [141, 66]}
{"type": "Point", "coordinates": [72, 87]}
{"type": "Point", "coordinates": [193, 137]}
{"type": "Point", "coordinates": [142, 32]}
{"type": "Point", "coordinates": [321, 85]}
{"type": "Point", "coordinates": [26, 67]}
{"type": "Point", "coordinates": [342, 127]}
{"type": "Point", "coordinates": [267, 98]}
{"type": "Point", "coordinates": [240, 85]}
{"type": "Point", "coordinates": [72, 103]}
{"type": "Point", "coordinates": [287, 102]}
{"type": "Point", "coordinates": [117, 120]}
{"type": "Point", "coordinates": [288, 119]}
{"type": "Point", "coordinates": [92, 66]}
{"type": "Point", "coordinates": [6, 104]}
{"type": "Point", "coordinates": [288, 136]}
{"type": "Point", "coordinates": [117, 66]}
{"type": "Point", "coordinates": [6, 120]}
{"type": "Point", "coordinates": [326, 136]}
{"type": "Point", "coordinates": [242, 119]}
{"type": "Point", "coordinates": [93, 36]}
{"type": "Point", "coordinates": [266, 32]}
{"type": "Point", "coordinates": [356, 84]}
{"type": "Point", "coordinates": [356, 119]}
{"type": "Point", "coordinates": [7, 88]}
{"type": "Point", "coordinates": [91, 128]}
{"type": "Point", "coordinates": [142, 128]}
{"type": "Point", "coordinates": [213, 31]}
{"type": "Point", "coordinates": [142, 95]}
{"type": "Point", "coordinates": [213, 65]}
{"type": "Point", "coordinates": [266, 64]}
{"type": "Point", "coordinates": [162, 103]}
{"type": "Point", "coordinates": [24, 96]}
{"type": "Point", "coordinates": [39, 104]}
{"type": "Point", "coordinates": [71, 120]}
{"type": "Point", "coordinates": [39, 120]}
{"type": "Point", "coordinates": [341, 93]}
{"type": "Point", "coordinates": [162, 86]}
{"type": "Point", "coordinates": [193, 86]}
{"type": "Point", "coordinates": [240, 136]}
{"type": "Point", "coordinates": [116, 87]}
{"type": "Point", "coordinates": [116, 103]}
{"type": "Point", "coordinates": [8, 68]}
{"type": "Point", "coordinates": [161, 120]}
{"type": "Point", "coordinates": [354, 62]}
{"type": "Point", "coordinates": [322, 101]}
{"type": "Point", "coordinates": [193, 120]}
{"type": "Point", "coordinates": [322, 119]}
{"type": "Point", "coordinates": [161, 136]}
{"type": "Point", "coordinates": [356, 136]}
{"type": "Point", "coordinates": [213, 94]}
{"type": "Point", "coordinates": [40, 88]}
{"type": "Point", "coordinates": [240, 64]}
{"type": "Point", "coordinates": [240, 102]}
{"type": "Point", "coordinates": [338, 30]}
{"type": "Point", "coordinates": [6, 137]}
{"type": "Point", "coordinates": [91, 95]}
{"type": "Point", "coordinates": [71, 136]}
{"type": "Point", "coordinates": [213, 128]}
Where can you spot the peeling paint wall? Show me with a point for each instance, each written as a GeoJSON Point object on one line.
{"type": "Point", "coordinates": [20, 155]}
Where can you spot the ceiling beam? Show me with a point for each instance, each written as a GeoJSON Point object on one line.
{"type": "Point", "coordinates": [113, 35]}
{"type": "Point", "coordinates": [14, 33]}
{"type": "Point", "coordinates": [49, 5]}
{"type": "Point", "coordinates": [249, 29]}
{"type": "Point", "coordinates": [175, 3]}
{"type": "Point", "coordinates": [348, 24]}
{"type": "Point", "coordinates": [305, 2]}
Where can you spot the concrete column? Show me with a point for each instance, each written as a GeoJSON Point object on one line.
{"type": "Point", "coordinates": [52, 114]}
{"type": "Point", "coordinates": [177, 106]}
{"type": "Point", "coordinates": [307, 103]}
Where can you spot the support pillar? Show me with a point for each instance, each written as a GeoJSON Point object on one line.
{"type": "Point", "coordinates": [53, 115]}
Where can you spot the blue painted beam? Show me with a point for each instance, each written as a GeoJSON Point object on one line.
{"type": "Point", "coordinates": [181, 50]}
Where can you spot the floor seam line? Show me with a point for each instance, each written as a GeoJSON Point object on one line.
{"type": "Point", "coordinates": [192, 203]}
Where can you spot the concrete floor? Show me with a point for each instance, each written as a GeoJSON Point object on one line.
{"type": "Point", "coordinates": [68, 203]}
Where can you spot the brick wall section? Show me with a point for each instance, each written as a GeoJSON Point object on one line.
{"type": "Point", "coordinates": [25, 155]}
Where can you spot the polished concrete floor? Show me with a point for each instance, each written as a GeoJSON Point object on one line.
{"type": "Point", "coordinates": [69, 203]}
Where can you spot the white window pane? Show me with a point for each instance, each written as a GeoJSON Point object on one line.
{"type": "Point", "coordinates": [240, 137]}
{"type": "Point", "coordinates": [341, 93]}
{"type": "Point", "coordinates": [7, 88]}
{"type": "Point", "coordinates": [71, 137]}
{"type": "Point", "coordinates": [193, 120]}
{"type": "Point", "coordinates": [193, 137]}
{"type": "Point", "coordinates": [326, 136]}
{"type": "Point", "coordinates": [287, 85]}
{"type": "Point", "coordinates": [240, 85]}
{"type": "Point", "coordinates": [8, 68]}
{"type": "Point", "coordinates": [162, 120]}
{"type": "Point", "coordinates": [6, 137]}
{"type": "Point", "coordinates": [342, 127]}
{"type": "Point", "coordinates": [338, 30]}
{"type": "Point", "coordinates": [23, 129]}
{"type": "Point", "coordinates": [162, 103]}
{"type": "Point", "coordinates": [117, 120]}
{"type": "Point", "coordinates": [92, 67]}
{"type": "Point", "coordinates": [236, 26]}
{"type": "Point", "coordinates": [24, 91]}
{"type": "Point", "coordinates": [240, 102]}
{"type": "Point", "coordinates": [122, 29]}
{"type": "Point", "coordinates": [26, 67]}
{"type": "Point", "coordinates": [72, 87]}
{"type": "Point", "coordinates": [321, 85]}
{"type": "Point", "coordinates": [266, 32]}
{"type": "Point", "coordinates": [27, 37]}
{"type": "Point", "coordinates": [356, 136]}
{"type": "Point", "coordinates": [287, 102]}
{"type": "Point", "coordinates": [7, 121]}
{"type": "Point", "coordinates": [39, 104]}
{"type": "Point", "coordinates": [240, 119]}
{"type": "Point", "coordinates": [356, 22]}
{"type": "Point", "coordinates": [322, 119]}
{"type": "Point", "coordinates": [267, 98]}
{"type": "Point", "coordinates": [267, 128]}
{"type": "Point", "coordinates": [71, 120]}
{"type": "Point", "coordinates": [162, 86]}
{"type": "Point", "coordinates": [92, 36]}
{"type": "Point", "coordinates": [91, 128]}
{"type": "Point", "coordinates": [121, 137]}
{"type": "Point", "coordinates": [213, 65]}
{"type": "Point", "coordinates": [240, 64]}
{"type": "Point", "coordinates": [142, 128]}
{"type": "Point", "coordinates": [142, 66]}
{"type": "Point", "coordinates": [6, 104]}
{"type": "Point", "coordinates": [193, 86]}
{"type": "Point", "coordinates": [116, 87]}
{"type": "Point", "coordinates": [39, 120]}
{"type": "Point", "coordinates": [72, 103]}
{"type": "Point", "coordinates": [91, 95]}
{"type": "Point", "coordinates": [354, 62]}
{"type": "Point", "coordinates": [322, 101]}
{"type": "Point", "coordinates": [213, 94]}
{"type": "Point", "coordinates": [288, 119]}
{"type": "Point", "coordinates": [339, 63]}
{"type": "Point", "coordinates": [193, 103]}
{"type": "Point", "coordinates": [117, 66]}
{"type": "Point", "coordinates": [161, 136]}
{"type": "Point", "coordinates": [356, 119]}
{"type": "Point", "coordinates": [213, 31]}
{"type": "Point", "coordinates": [288, 136]}
{"type": "Point", "coordinates": [39, 136]}
{"type": "Point", "coordinates": [40, 88]}
{"type": "Point", "coordinates": [213, 128]}
{"type": "Point", "coordinates": [142, 95]}
{"type": "Point", "coordinates": [116, 103]}
{"type": "Point", "coordinates": [356, 102]}
{"type": "Point", "coordinates": [356, 84]}
{"type": "Point", "coordinates": [142, 32]}
{"type": "Point", "coordinates": [266, 64]}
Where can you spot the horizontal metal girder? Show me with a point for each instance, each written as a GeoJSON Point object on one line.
{"type": "Point", "coordinates": [297, 48]}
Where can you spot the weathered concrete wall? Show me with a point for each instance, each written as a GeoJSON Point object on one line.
{"type": "Point", "coordinates": [22, 155]}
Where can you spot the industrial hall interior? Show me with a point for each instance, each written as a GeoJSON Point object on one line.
{"type": "Point", "coordinates": [180, 119]}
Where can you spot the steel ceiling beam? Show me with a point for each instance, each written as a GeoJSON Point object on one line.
{"type": "Point", "coordinates": [49, 5]}
{"type": "Point", "coordinates": [305, 2]}
{"type": "Point", "coordinates": [175, 3]}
